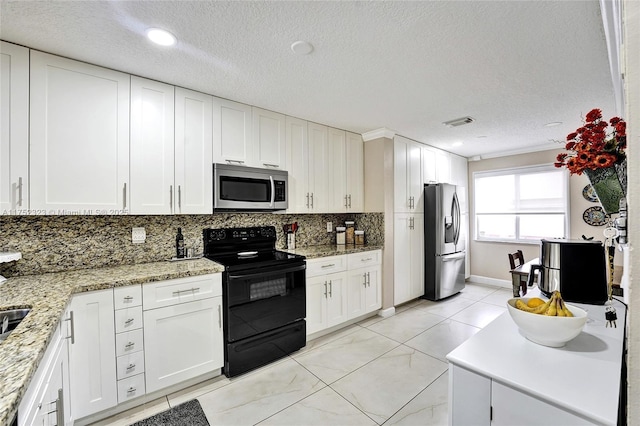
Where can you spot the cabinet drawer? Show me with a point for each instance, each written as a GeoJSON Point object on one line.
{"type": "Point", "coordinates": [326, 265]}
{"type": "Point", "coordinates": [363, 259]}
{"type": "Point", "coordinates": [129, 342]}
{"type": "Point", "coordinates": [128, 296]}
{"type": "Point", "coordinates": [130, 388]}
{"type": "Point", "coordinates": [130, 365]}
{"type": "Point", "coordinates": [171, 292]}
{"type": "Point", "coordinates": [128, 319]}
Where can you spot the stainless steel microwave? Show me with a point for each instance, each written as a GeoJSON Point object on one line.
{"type": "Point", "coordinates": [240, 188]}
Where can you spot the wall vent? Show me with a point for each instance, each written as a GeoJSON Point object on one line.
{"type": "Point", "coordinates": [459, 122]}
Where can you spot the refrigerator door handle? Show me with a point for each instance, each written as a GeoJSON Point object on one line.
{"type": "Point", "coordinates": [454, 256]}
{"type": "Point", "coordinates": [456, 217]}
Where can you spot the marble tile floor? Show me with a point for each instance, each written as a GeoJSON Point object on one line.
{"type": "Point", "coordinates": [390, 371]}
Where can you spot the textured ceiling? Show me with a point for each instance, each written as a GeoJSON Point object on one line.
{"type": "Point", "coordinates": [407, 66]}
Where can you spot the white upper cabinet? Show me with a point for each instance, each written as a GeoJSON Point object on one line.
{"type": "Point", "coordinates": [355, 172]}
{"type": "Point", "coordinates": [79, 137]}
{"type": "Point", "coordinates": [152, 147]}
{"type": "Point", "coordinates": [14, 128]}
{"type": "Point", "coordinates": [193, 151]}
{"type": "Point", "coordinates": [429, 174]}
{"type": "Point", "coordinates": [337, 171]}
{"type": "Point", "coordinates": [269, 139]}
{"type": "Point", "coordinates": [297, 158]}
{"type": "Point", "coordinates": [232, 142]}
{"type": "Point", "coordinates": [408, 184]}
{"type": "Point", "coordinates": [318, 165]}
{"type": "Point", "coordinates": [443, 167]}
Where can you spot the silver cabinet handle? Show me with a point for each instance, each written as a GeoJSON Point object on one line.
{"type": "Point", "coordinates": [366, 260]}
{"type": "Point", "coordinates": [191, 290]}
{"type": "Point", "coordinates": [171, 197]}
{"type": "Point", "coordinates": [307, 200]}
{"type": "Point", "coordinates": [128, 299]}
{"type": "Point", "coordinates": [129, 321]}
{"type": "Point", "coordinates": [73, 334]}
{"type": "Point", "coordinates": [20, 191]}
{"type": "Point", "coordinates": [129, 345]}
{"type": "Point", "coordinates": [346, 205]}
{"type": "Point", "coordinates": [325, 289]}
{"type": "Point", "coordinates": [270, 165]}
{"type": "Point", "coordinates": [312, 200]}
{"type": "Point", "coordinates": [330, 289]}
{"type": "Point", "coordinates": [235, 161]}
{"type": "Point", "coordinates": [368, 279]}
{"type": "Point", "coordinates": [364, 276]}
{"type": "Point", "coordinates": [60, 408]}
{"type": "Point", "coordinates": [131, 390]}
{"type": "Point", "coordinates": [124, 196]}
{"type": "Point", "coordinates": [219, 317]}
{"type": "Point", "coordinates": [179, 198]}
{"type": "Point", "coordinates": [330, 265]}
{"type": "Point", "coordinates": [349, 200]}
{"type": "Point", "coordinates": [131, 367]}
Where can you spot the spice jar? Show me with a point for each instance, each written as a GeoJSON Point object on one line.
{"type": "Point", "coordinates": [340, 235]}
{"type": "Point", "coordinates": [359, 237]}
{"type": "Point", "coordinates": [351, 228]}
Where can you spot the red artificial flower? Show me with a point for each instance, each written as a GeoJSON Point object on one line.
{"type": "Point", "coordinates": [615, 120]}
{"type": "Point", "coordinates": [621, 128]}
{"type": "Point", "coordinates": [571, 136]}
{"type": "Point", "coordinates": [604, 160]}
{"type": "Point", "coordinates": [593, 115]}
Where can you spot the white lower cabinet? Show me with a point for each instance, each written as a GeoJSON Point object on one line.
{"type": "Point", "coordinates": [408, 257]}
{"type": "Point", "coordinates": [183, 340]}
{"type": "Point", "coordinates": [340, 288]}
{"type": "Point", "coordinates": [92, 353]}
{"type": "Point", "coordinates": [46, 401]}
{"type": "Point", "coordinates": [479, 400]}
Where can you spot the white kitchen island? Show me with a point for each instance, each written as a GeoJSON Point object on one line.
{"type": "Point", "coordinates": [498, 377]}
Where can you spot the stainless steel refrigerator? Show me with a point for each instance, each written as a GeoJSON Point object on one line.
{"type": "Point", "coordinates": [444, 242]}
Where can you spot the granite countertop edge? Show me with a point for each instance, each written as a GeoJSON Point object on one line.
{"type": "Point", "coordinates": [48, 295]}
{"type": "Point", "coordinates": [313, 252]}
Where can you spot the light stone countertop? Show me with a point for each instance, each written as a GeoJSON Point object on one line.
{"type": "Point", "coordinates": [48, 296]}
{"type": "Point", "coordinates": [313, 252]}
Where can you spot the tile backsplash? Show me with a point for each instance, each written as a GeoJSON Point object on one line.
{"type": "Point", "coordinates": [56, 243]}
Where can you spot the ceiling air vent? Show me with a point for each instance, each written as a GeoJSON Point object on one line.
{"type": "Point", "coordinates": [459, 122]}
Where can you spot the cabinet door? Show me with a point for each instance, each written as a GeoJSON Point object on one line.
{"type": "Point", "coordinates": [14, 128]}
{"type": "Point", "coordinates": [401, 258]}
{"type": "Point", "coordinates": [231, 132]}
{"type": "Point", "coordinates": [357, 288]}
{"type": "Point", "coordinates": [297, 160]}
{"type": "Point", "coordinates": [182, 342]}
{"type": "Point", "coordinates": [92, 354]}
{"type": "Point", "coordinates": [373, 293]}
{"type": "Point", "coordinates": [269, 139]}
{"type": "Point", "coordinates": [416, 186]}
{"type": "Point", "coordinates": [401, 195]}
{"type": "Point", "coordinates": [355, 173]}
{"type": "Point", "coordinates": [443, 167]}
{"type": "Point", "coordinates": [337, 310]}
{"type": "Point", "coordinates": [469, 398]}
{"type": "Point", "coordinates": [79, 136]}
{"type": "Point", "coordinates": [337, 171]}
{"type": "Point", "coordinates": [152, 147]}
{"type": "Point", "coordinates": [193, 152]}
{"type": "Point", "coordinates": [417, 255]}
{"type": "Point", "coordinates": [316, 294]}
{"type": "Point", "coordinates": [429, 165]}
{"type": "Point", "coordinates": [318, 163]}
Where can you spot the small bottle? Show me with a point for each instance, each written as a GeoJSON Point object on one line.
{"type": "Point", "coordinates": [180, 251]}
{"type": "Point", "coordinates": [359, 238]}
{"type": "Point", "coordinates": [350, 231]}
{"type": "Point", "coordinates": [340, 235]}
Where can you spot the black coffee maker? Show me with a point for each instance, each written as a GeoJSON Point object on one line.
{"type": "Point", "coordinates": [576, 268]}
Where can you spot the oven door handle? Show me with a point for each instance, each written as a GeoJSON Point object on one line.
{"type": "Point", "coordinates": [273, 192]}
{"type": "Point", "coordinates": [263, 271]}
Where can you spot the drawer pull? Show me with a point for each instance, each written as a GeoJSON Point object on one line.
{"type": "Point", "coordinates": [131, 367]}
{"type": "Point", "coordinates": [73, 332]}
{"type": "Point", "coordinates": [131, 390]}
{"type": "Point", "coordinates": [366, 260]}
{"type": "Point", "coordinates": [129, 345]}
{"type": "Point", "coordinates": [129, 321]}
{"type": "Point", "coordinates": [191, 290]}
{"type": "Point", "coordinates": [128, 298]}
{"type": "Point", "coordinates": [331, 265]}
{"type": "Point", "coordinates": [364, 276]}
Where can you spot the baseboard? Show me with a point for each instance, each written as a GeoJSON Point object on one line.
{"type": "Point", "coordinates": [386, 313]}
{"type": "Point", "coordinates": [491, 281]}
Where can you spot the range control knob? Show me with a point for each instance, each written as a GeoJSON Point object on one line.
{"type": "Point", "coordinates": [222, 235]}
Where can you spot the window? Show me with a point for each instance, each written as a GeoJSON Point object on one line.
{"type": "Point", "coordinates": [521, 205]}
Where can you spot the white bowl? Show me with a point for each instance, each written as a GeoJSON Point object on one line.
{"type": "Point", "coordinates": [545, 330]}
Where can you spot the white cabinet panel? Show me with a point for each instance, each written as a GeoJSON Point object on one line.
{"type": "Point", "coordinates": [130, 365]}
{"type": "Point", "coordinates": [127, 296]}
{"type": "Point", "coordinates": [355, 172]}
{"type": "Point", "coordinates": [129, 342]}
{"type": "Point", "coordinates": [79, 136]}
{"type": "Point", "coordinates": [429, 174]}
{"type": "Point", "coordinates": [269, 139]}
{"type": "Point", "coordinates": [92, 354]}
{"type": "Point", "coordinates": [470, 404]}
{"type": "Point", "coordinates": [152, 147]}
{"type": "Point", "coordinates": [180, 290]}
{"type": "Point", "coordinates": [408, 185]}
{"type": "Point", "coordinates": [193, 152]}
{"type": "Point", "coordinates": [336, 299]}
{"type": "Point", "coordinates": [232, 142]}
{"type": "Point", "coordinates": [337, 171]}
{"type": "Point", "coordinates": [318, 164]}
{"type": "Point", "coordinates": [128, 319]}
{"type": "Point", "coordinates": [408, 253]}
{"type": "Point", "coordinates": [326, 265]}
{"type": "Point", "coordinates": [316, 289]}
{"type": "Point", "coordinates": [443, 167]}
{"type": "Point", "coordinates": [182, 341]}
{"type": "Point", "coordinates": [130, 387]}
{"type": "Point", "coordinates": [297, 159]}
{"type": "Point", "coordinates": [14, 128]}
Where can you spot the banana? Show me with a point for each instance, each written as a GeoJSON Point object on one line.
{"type": "Point", "coordinates": [553, 307]}
{"type": "Point", "coordinates": [566, 310]}
{"type": "Point", "coordinates": [537, 310]}
{"type": "Point", "coordinates": [559, 309]}
{"type": "Point", "coordinates": [552, 310]}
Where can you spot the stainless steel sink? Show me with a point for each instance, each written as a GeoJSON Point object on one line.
{"type": "Point", "coordinates": [10, 319]}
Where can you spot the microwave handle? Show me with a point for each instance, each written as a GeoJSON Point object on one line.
{"type": "Point", "coordinates": [273, 192]}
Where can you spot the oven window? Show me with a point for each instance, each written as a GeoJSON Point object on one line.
{"type": "Point", "coordinates": [244, 189]}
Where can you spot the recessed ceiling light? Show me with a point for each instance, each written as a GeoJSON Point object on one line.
{"type": "Point", "coordinates": [161, 37]}
{"type": "Point", "coordinates": [553, 124]}
{"type": "Point", "coordinates": [301, 47]}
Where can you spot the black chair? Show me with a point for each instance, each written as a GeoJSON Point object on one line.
{"type": "Point", "coordinates": [520, 283]}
